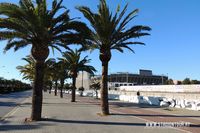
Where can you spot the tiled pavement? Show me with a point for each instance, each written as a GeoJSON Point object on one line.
{"type": "Point", "coordinates": [62, 116]}
{"type": "Point", "coordinates": [157, 114]}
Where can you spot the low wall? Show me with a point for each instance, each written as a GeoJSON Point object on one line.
{"type": "Point", "coordinates": [163, 88]}
{"type": "Point", "coordinates": [172, 95]}
{"type": "Point", "coordinates": [180, 96]}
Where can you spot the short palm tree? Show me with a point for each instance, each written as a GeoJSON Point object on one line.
{"type": "Point", "coordinates": [55, 77]}
{"type": "Point", "coordinates": [32, 23]}
{"type": "Point", "coordinates": [63, 74]}
{"type": "Point", "coordinates": [95, 85]}
{"type": "Point", "coordinates": [109, 32]}
{"type": "Point", "coordinates": [49, 64]}
{"type": "Point", "coordinates": [76, 64]}
{"type": "Point", "coordinates": [27, 70]}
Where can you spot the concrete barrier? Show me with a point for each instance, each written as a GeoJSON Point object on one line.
{"type": "Point", "coordinates": [178, 96]}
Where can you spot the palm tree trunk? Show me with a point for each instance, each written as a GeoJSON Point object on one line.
{"type": "Point", "coordinates": [73, 89]}
{"type": "Point", "coordinates": [50, 88]}
{"type": "Point", "coordinates": [104, 89]}
{"type": "Point", "coordinates": [37, 91]}
{"type": "Point", "coordinates": [56, 88]}
{"type": "Point", "coordinates": [61, 88]}
{"type": "Point", "coordinates": [96, 93]}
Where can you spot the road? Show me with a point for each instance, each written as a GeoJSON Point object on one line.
{"type": "Point", "coordinates": [10, 101]}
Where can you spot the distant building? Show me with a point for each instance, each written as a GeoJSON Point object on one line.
{"type": "Point", "coordinates": [145, 77]}
{"type": "Point", "coordinates": [177, 82]}
{"type": "Point", "coordinates": [145, 72]}
{"type": "Point", "coordinates": [83, 80]}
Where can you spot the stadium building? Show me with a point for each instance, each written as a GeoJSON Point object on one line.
{"type": "Point", "coordinates": [145, 77]}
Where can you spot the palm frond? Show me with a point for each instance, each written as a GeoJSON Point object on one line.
{"type": "Point", "coordinates": [39, 25]}
{"type": "Point", "coordinates": [109, 30]}
{"type": "Point", "coordinates": [16, 44]}
{"type": "Point", "coordinates": [75, 63]}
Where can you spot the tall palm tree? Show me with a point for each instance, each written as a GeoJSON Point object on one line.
{"type": "Point", "coordinates": [109, 32]}
{"type": "Point", "coordinates": [33, 23]}
{"type": "Point", "coordinates": [75, 65]}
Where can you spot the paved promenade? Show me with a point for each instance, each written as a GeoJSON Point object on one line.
{"type": "Point", "coordinates": [9, 101]}
{"type": "Point", "coordinates": [62, 116]}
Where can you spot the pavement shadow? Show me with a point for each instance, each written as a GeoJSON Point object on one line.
{"type": "Point", "coordinates": [59, 104]}
{"type": "Point", "coordinates": [94, 122]}
{"type": "Point", "coordinates": [17, 127]}
{"type": "Point", "coordinates": [17, 95]}
{"type": "Point", "coordinates": [13, 104]}
{"type": "Point", "coordinates": [155, 115]}
{"type": "Point", "coordinates": [8, 104]}
{"type": "Point", "coordinates": [193, 125]}
{"type": "Point", "coordinates": [25, 104]}
{"type": "Point", "coordinates": [128, 104]}
{"type": "Point", "coordinates": [21, 127]}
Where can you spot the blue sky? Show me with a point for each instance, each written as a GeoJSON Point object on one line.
{"type": "Point", "coordinates": [172, 49]}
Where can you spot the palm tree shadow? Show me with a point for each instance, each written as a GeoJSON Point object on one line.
{"type": "Point", "coordinates": [134, 105]}
{"type": "Point", "coordinates": [16, 95]}
{"type": "Point", "coordinates": [17, 127]}
{"type": "Point", "coordinates": [156, 115]}
{"type": "Point", "coordinates": [8, 104]}
{"type": "Point", "coordinates": [94, 122]}
{"type": "Point", "coordinates": [6, 125]}
{"type": "Point", "coordinates": [103, 123]}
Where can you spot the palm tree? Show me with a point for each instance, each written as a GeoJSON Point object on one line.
{"type": "Point", "coordinates": [27, 70]}
{"type": "Point", "coordinates": [75, 65]}
{"type": "Point", "coordinates": [49, 64]}
{"type": "Point", "coordinates": [95, 85]}
{"type": "Point", "coordinates": [32, 23]}
{"type": "Point", "coordinates": [109, 32]}
{"type": "Point", "coordinates": [55, 77]}
{"type": "Point", "coordinates": [63, 74]}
